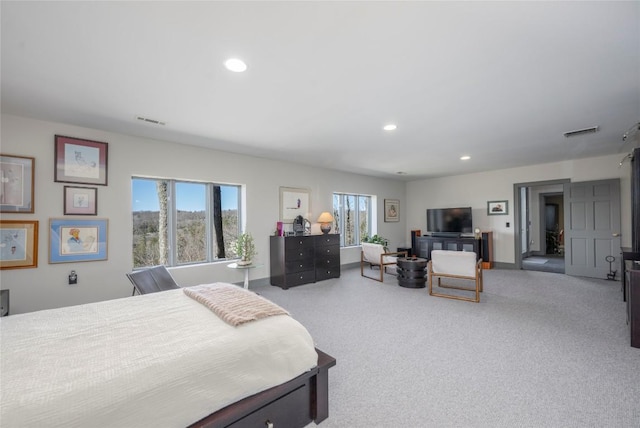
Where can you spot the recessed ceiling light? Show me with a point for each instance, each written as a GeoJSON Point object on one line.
{"type": "Point", "coordinates": [389, 127]}
{"type": "Point", "coordinates": [236, 65]}
{"type": "Point", "coordinates": [465, 157]}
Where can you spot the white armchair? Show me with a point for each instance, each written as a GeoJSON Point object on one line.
{"type": "Point", "coordinates": [455, 264]}
{"type": "Point", "coordinates": [375, 255]}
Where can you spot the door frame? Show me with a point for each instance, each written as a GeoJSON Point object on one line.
{"type": "Point", "coordinates": [517, 217]}
{"type": "Point", "coordinates": [543, 215]}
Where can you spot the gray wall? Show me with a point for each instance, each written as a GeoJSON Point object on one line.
{"type": "Point", "coordinates": [46, 286]}
{"type": "Point", "coordinates": [476, 189]}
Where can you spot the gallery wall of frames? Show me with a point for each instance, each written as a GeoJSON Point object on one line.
{"type": "Point", "coordinates": [78, 235]}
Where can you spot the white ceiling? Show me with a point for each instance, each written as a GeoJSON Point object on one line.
{"type": "Point", "coordinates": [498, 81]}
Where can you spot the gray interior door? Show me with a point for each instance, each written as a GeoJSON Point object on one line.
{"type": "Point", "coordinates": [592, 227]}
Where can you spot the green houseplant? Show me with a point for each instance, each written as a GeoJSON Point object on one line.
{"type": "Point", "coordinates": [245, 249]}
{"type": "Point", "coordinates": [377, 239]}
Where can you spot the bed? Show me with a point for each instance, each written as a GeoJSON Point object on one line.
{"type": "Point", "coordinates": [163, 359]}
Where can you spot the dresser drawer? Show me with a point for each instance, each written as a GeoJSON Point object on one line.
{"type": "Point", "coordinates": [298, 253]}
{"type": "Point", "coordinates": [329, 261]}
{"type": "Point", "coordinates": [323, 240]}
{"type": "Point", "coordinates": [329, 251]}
{"type": "Point", "coordinates": [323, 273]}
{"type": "Point", "coordinates": [299, 278]}
{"type": "Point", "coordinates": [293, 243]}
{"type": "Point", "coordinates": [291, 266]}
{"type": "Point", "coordinates": [292, 410]}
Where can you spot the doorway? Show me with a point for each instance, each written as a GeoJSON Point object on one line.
{"type": "Point", "coordinates": [587, 242]}
{"type": "Point", "coordinates": [540, 222]}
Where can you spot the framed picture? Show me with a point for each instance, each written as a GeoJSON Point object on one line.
{"type": "Point", "coordinates": [77, 240]}
{"type": "Point", "coordinates": [80, 200]}
{"type": "Point", "coordinates": [18, 244]}
{"type": "Point", "coordinates": [80, 161]}
{"type": "Point", "coordinates": [391, 210]}
{"type": "Point", "coordinates": [16, 185]}
{"type": "Point", "coordinates": [294, 202]}
{"type": "Point", "coordinates": [497, 207]}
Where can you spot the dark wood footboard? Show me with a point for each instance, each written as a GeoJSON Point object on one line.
{"type": "Point", "coordinates": [293, 404]}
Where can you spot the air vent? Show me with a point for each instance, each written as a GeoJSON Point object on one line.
{"type": "Point", "coordinates": [581, 131]}
{"type": "Point", "coordinates": [153, 121]}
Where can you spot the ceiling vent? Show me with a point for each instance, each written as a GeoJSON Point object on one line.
{"type": "Point", "coordinates": [153, 121]}
{"type": "Point", "coordinates": [581, 131]}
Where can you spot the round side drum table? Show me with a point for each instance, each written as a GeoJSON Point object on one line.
{"type": "Point", "coordinates": [411, 272]}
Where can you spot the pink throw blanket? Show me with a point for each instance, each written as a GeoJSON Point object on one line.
{"type": "Point", "coordinates": [232, 304]}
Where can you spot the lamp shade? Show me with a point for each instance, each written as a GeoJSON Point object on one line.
{"type": "Point", "coordinates": [325, 217]}
{"type": "Point", "coordinates": [325, 221]}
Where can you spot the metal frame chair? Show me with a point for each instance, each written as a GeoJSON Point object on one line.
{"type": "Point", "coordinates": [152, 280]}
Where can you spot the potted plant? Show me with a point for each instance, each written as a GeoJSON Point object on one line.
{"type": "Point", "coordinates": [245, 249]}
{"type": "Point", "coordinates": [377, 239]}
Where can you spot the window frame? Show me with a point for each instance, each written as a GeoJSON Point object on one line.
{"type": "Point", "coordinates": [172, 219]}
{"type": "Point", "coordinates": [371, 228]}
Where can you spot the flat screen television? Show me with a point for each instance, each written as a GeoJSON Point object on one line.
{"type": "Point", "coordinates": [449, 221]}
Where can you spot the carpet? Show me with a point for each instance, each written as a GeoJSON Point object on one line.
{"type": "Point", "coordinates": [539, 350]}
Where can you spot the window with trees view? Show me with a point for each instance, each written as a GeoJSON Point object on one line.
{"type": "Point", "coordinates": [181, 222]}
{"type": "Point", "coordinates": [352, 217]}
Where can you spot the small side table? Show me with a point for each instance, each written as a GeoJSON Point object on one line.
{"type": "Point", "coordinates": [246, 269]}
{"type": "Point", "coordinates": [411, 272]}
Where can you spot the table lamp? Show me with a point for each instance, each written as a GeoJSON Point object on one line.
{"type": "Point", "coordinates": [325, 221]}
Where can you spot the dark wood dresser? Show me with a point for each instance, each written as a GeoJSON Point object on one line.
{"type": "Point", "coordinates": [633, 303]}
{"type": "Point", "coordinates": [298, 260]}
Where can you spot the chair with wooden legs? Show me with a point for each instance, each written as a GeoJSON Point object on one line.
{"type": "Point", "coordinates": [375, 255]}
{"type": "Point", "coordinates": [461, 265]}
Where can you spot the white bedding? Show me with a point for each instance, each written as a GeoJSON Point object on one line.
{"type": "Point", "coordinates": [160, 359]}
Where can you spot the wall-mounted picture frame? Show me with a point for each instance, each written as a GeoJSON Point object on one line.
{"type": "Point", "coordinates": [80, 161]}
{"type": "Point", "coordinates": [77, 240]}
{"type": "Point", "coordinates": [294, 202]}
{"type": "Point", "coordinates": [391, 210]}
{"type": "Point", "coordinates": [18, 244]}
{"type": "Point", "coordinates": [80, 200]}
{"type": "Point", "coordinates": [16, 184]}
{"type": "Point", "coordinates": [497, 207]}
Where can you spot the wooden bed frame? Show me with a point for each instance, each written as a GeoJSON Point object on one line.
{"type": "Point", "coordinates": [293, 404]}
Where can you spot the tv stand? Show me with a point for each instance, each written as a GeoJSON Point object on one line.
{"type": "Point", "coordinates": [426, 244]}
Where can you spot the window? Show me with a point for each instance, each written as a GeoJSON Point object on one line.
{"type": "Point", "coordinates": [181, 222]}
{"type": "Point", "coordinates": [352, 215]}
